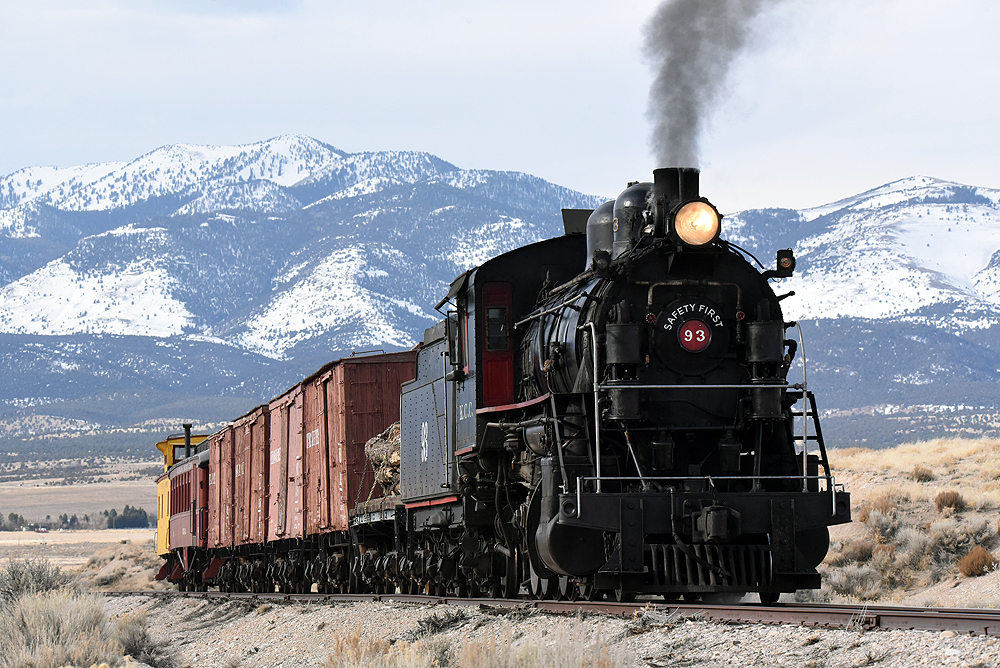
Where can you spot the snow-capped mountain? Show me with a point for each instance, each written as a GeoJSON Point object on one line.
{"type": "Point", "coordinates": [892, 252]}
{"type": "Point", "coordinates": [262, 246]}
{"type": "Point", "coordinates": [898, 289]}
{"type": "Point", "coordinates": [193, 273]}
{"type": "Point", "coordinates": [197, 271]}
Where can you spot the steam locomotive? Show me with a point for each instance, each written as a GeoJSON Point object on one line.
{"type": "Point", "coordinates": [603, 413]}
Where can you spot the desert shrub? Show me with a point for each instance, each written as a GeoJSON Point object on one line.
{"type": "Point", "coordinates": [949, 499]}
{"type": "Point", "coordinates": [442, 622]}
{"type": "Point", "coordinates": [921, 474]}
{"type": "Point", "coordinates": [131, 634]}
{"type": "Point", "coordinates": [859, 581]}
{"type": "Point", "coordinates": [912, 547]}
{"type": "Point", "coordinates": [567, 647]}
{"type": "Point", "coordinates": [978, 561]}
{"type": "Point", "coordinates": [883, 553]}
{"type": "Point", "coordinates": [111, 578]}
{"type": "Point", "coordinates": [855, 551]}
{"type": "Point", "coordinates": [882, 525]}
{"type": "Point", "coordinates": [56, 628]}
{"type": "Point", "coordinates": [886, 503]}
{"type": "Point", "coordinates": [28, 576]}
{"type": "Point", "coordinates": [950, 539]}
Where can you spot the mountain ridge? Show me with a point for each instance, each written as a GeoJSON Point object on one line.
{"type": "Point", "coordinates": [230, 271]}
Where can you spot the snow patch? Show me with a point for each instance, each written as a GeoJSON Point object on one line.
{"type": "Point", "coordinates": [58, 300]}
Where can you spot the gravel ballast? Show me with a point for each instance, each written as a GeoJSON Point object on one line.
{"type": "Point", "coordinates": [237, 633]}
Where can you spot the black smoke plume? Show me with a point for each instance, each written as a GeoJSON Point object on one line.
{"type": "Point", "coordinates": [691, 43]}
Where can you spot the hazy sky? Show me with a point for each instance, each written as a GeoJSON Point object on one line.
{"type": "Point", "coordinates": [831, 97]}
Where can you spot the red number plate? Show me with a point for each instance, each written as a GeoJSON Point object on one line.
{"type": "Point", "coordinates": [694, 336]}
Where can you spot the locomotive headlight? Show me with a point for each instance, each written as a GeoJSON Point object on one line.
{"type": "Point", "coordinates": [696, 223]}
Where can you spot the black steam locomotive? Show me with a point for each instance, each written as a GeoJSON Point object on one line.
{"type": "Point", "coordinates": [609, 411]}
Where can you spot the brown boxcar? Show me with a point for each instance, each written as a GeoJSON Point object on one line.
{"type": "Point", "coordinates": [318, 430]}
{"type": "Point", "coordinates": [284, 492]}
{"type": "Point", "coordinates": [250, 454]}
{"type": "Point", "coordinates": [220, 488]}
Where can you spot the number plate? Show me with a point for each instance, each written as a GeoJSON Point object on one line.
{"type": "Point", "coordinates": [694, 336]}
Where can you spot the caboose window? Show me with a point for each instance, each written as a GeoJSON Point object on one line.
{"type": "Point", "coordinates": [496, 328]}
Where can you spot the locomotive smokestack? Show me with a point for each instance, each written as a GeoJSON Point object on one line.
{"type": "Point", "coordinates": [671, 186]}
{"type": "Point", "coordinates": [691, 44]}
{"type": "Point", "coordinates": [675, 184]}
{"type": "Point", "coordinates": [187, 440]}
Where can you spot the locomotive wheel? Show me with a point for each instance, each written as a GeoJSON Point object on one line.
{"type": "Point", "coordinates": [768, 597]}
{"type": "Point", "coordinates": [724, 598]}
{"type": "Point", "coordinates": [543, 588]}
{"type": "Point", "coordinates": [354, 583]}
{"type": "Point", "coordinates": [624, 595]}
{"type": "Point", "coordinates": [511, 582]}
{"type": "Point", "coordinates": [566, 591]}
{"type": "Point", "coordinates": [588, 592]}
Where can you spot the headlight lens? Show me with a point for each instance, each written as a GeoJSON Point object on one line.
{"type": "Point", "coordinates": [697, 223]}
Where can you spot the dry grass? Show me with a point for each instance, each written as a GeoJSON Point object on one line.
{"type": "Point", "coordinates": [46, 624]}
{"type": "Point", "coordinates": [132, 638]}
{"type": "Point", "coordinates": [920, 509]}
{"type": "Point", "coordinates": [979, 561]}
{"type": "Point", "coordinates": [885, 503]}
{"type": "Point", "coordinates": [56, 629]}
{"type": "Point", "coordinates": [856, 582]}
{"type": "Point", "coordinates": [569, 646]}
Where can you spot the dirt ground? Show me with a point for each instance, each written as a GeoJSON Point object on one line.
{"type": "Point", "coordinates": [71, 550]}
{"type": "Point", "coordinates": [36, 500]}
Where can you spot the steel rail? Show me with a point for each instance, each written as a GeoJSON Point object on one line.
{"type": "Point", "coordinates": [972, 621]}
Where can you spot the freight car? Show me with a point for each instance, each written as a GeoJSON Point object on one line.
{"type": "Point", "coordinates": [605, 412]}
{"type": "Point", "coordinates": [272, 491]}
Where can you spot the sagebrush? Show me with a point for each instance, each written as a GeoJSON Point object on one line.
{"type": "Point", "coordinates": [979, 561]}
{"type": "Point", "coordinates": [951, 500]}
{"type": "Point", "coordinates": [20, 577]}
{"type": "Point", "coordinates": [46, 624]}
{"type": "Point", "coordinates": [569, 646]}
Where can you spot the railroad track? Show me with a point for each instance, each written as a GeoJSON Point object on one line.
{"type": "Point", "coordinates": [858, 617]}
